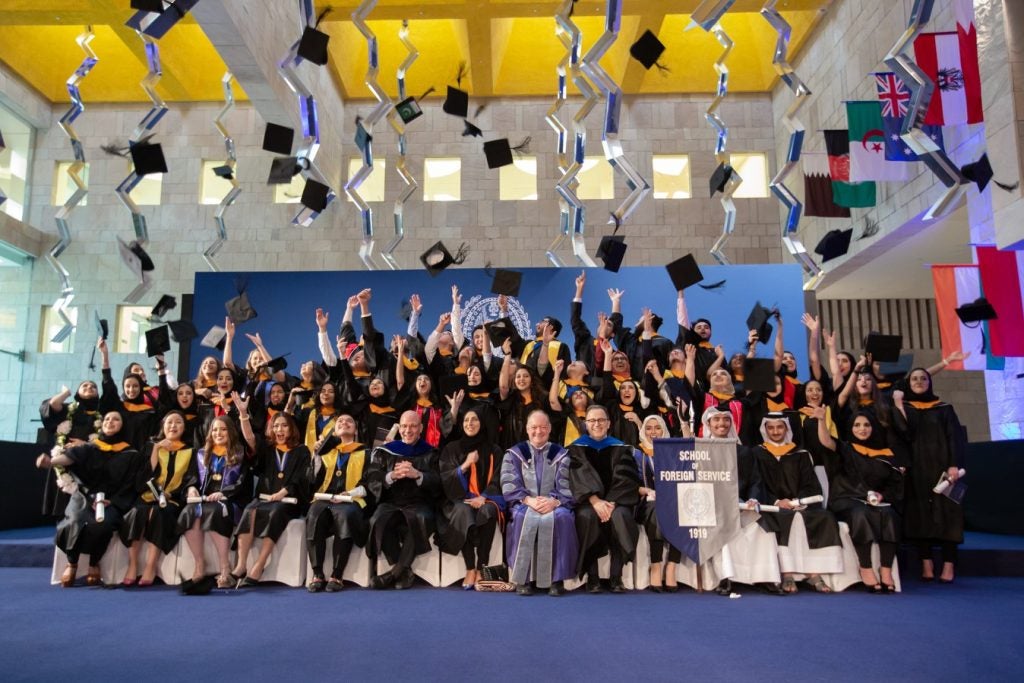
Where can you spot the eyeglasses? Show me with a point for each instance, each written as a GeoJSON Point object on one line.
{"type": "Point", "coordinates": [597, 421]}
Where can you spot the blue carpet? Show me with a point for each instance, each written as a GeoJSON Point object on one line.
{"type": "Point", "coordinates": [971, 630]}
{"type": "Point", "coordinates": [36, 534]}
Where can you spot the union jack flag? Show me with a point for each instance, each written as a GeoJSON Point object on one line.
{"type": "Point", "coordinates": [893, 94]}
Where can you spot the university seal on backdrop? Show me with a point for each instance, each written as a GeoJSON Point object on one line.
{"type": "Point", "coordinates": [480, 309]}
{"type": "Point", "coordinates": [697, 494]}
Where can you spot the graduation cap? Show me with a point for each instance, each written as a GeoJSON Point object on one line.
{"type": "Point", "coordinates": [148, 158]}
{"type": "Point", "coordinates": [499, 330]}
{"type": "Point", "coordinates": [471, 131]}
{"type": "Point", "coordinates": [437, 257]}
{"type": "Point", "coordinates": [506, 282]}
{"type": "Point", "coordinates": [719, 179]}
{"type": "Point", "coordinates": [313, 46]}
{"type": "Point", "coordinates": [647, 49]}
{"type": "Point", "coordinates": [612, 250]}
{"type": "Point", "coordinates": [408, 109]}
{"type": "Point", "coordinates": [135, 257]}
{"type": "Point", "coordinates": [684, 272]}
{"type": "Point", "coordinates": [215, 338]}
{"type": "Point", "coordinates": [498, 153]}
{"type": "Point", "coordinates": [979, 172]}
{"type": "Point", "coordinates": [976, 311]}
{"type": "Point", "coordinates": [226, 171]}
{"type": "Point", "coordinates": [456, 102]}
{"type": "Point", "coordinates": [451, 384]}
{"type": "Point", "coordinates": [363, 137]}
{"type": "Point", "coordinates": [148, 5]}
{"type": "Point", "coordinates": [277, 364]}
{"type": "Point", "coordinates": [758, 320]}
{"type": "Point", "coordinates": [166, 303]}
{"type": "Point", "coordinates": [278, 139]}
{"type": "Point", "coordinates": [282, 170]}
{"type": "Point", "coordinates": [158, 340]}
{"type": "Point", "coordinates": [314, 195]}
{"type": "Point", "coordinates": [101, 325]}
{"type": "Point", "coordinates": [183, 330]}
{"type": "Point", "coordinates": [834, 244]}
{"type": "Point", "coordinates": [759, 374]}
{"type": "Point", "coordinates": [898, 369]}
{"type": "Point", "coordinates": [239, 309]}
{"type": "Point", "coordinates": [884, 348]}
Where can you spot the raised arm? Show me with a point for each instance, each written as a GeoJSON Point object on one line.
{"type": "Point", "coordinates": [399, 341]}
{"type": "Point", "coordinates": [242, 404]}
{"type": "Point", "coordinates": [851, 381]}
{"type": "Point", "coordinates": [833, 359]}
{"type": "Point", "coordinates": [414, 316]}
{"type": "Point", "coordinates": [556, 381]}
{"type": "Point", "coordinates": [719, 360]}
{"type": "Point", "coordinates": [504, 377]}
{"type": "Point", "coordinates": [456, 318]}
{"type": "Point", "coordinates": [780, 346]}
{"type": "Point", "coordinates": [813, 343]}
{"type": "Point", "coordinates": [682, 315]}
{"type": "Point", "coordinates": [57, 402]}
{"type": "Point", "coordinates": [823, 434]}
{"type": "Point", "coordinates": [944, 363]}
{"type": "Point", "coordinates": [690, 369]}
{"type": "Point", "coordinates": [323, 341]}
{"type": "Point", "coordinates": [430, 348]}
{"type": "Point", "coordinates": [229, 328]}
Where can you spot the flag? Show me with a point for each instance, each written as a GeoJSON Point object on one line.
{"type": "Point", "coordinates": [951, 61]}
{"type": "Point", "coordinates": [818, 188]}
{"type": "Point", "coordinates": [894, 96]}
{"type": "Point", "coordinates": [867, 144]}
{"type": "Point", "coordinates": [956, 285]}
{"type": "Point", "coordinates": [1001, 273]}
{"type": "Point", "coordinates": [845, 193]}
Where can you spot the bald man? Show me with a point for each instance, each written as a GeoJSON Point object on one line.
{"type": "Point", "coordinates": [402, 477]}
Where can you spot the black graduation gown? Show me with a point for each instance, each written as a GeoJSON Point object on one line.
{"type": "Point", "coordinates": [856, 474]}
{"type": "Point", "coordinates": [608, 471]}
{"type": "Point", "coordinates": [233, 481]}
{"type": "Point", "coordinates": [84, 421]}
{"type": "Point", "coordinates": [936, 444]}
{"type": "Point", "coordinates": [792, 476]}
{"type": "Point", "coordinates": [456, 518]}
{"type": "Point", "coordinates": [174, 473]}
{"type": "Point", "coordinates": [140, 418]}
{"type": "Point", "coordinates": [169, 402]}
{"type": "Point", "coordinates": [273, 516]}
{"type": "Point", "coordinates": [339, 520]}
{"type": "Point", "coordinates": [513, 418]}
{"type": "Point", "coordinates": [490, 419]}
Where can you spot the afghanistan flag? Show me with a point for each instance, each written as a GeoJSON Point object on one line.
{"type": "Point", "coordinates": [845, 193]}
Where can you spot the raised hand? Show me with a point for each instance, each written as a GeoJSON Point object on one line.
{"type": "Point", "coordinates": [606, 345]}
{"type": "Point", "coordinates": [502, 303]}
{"type": "Point", "coordinates": [691, 351]}
{"type": "Point", "coordinates": [720, 351]}
{"type": "Point", "coordinates": [443, 320]}
{"type": "Point", "coordinates": [455, 400]}
{"type": "Point", "coordinates": [615, 295]}
{"type": "Point", "coordinates": [365, 296]}
{"type": "Point", "coordinates": [321, 320]}
{"type": "Point", "coordinates": [456, 297]}
{"type": "Point", "coordinates": [752, 337]}
{"type": "Point", "coordinates": [241, 403]}
{"type": "Point", "coordinates": [897, 397]}
{"type": "Point", "coordinates": [353, 301]}
{"type": "Point", "coordinates": [559, 367]}
{"type": "Point", "coordinates": [229, 327]}
{"type": "Point", "coordinates": [581, 280]}
{"type": "Point", "coordinates": [830, 339]}
{"type": "Point", "coordinates": [256, 340]}
{"type": "Point", "coordinates": [811, 322]}
{"type": "Point", "coordinates": [417, 305]}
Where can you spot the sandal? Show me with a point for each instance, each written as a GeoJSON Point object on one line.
{"type": "Point", "coordinates": [789, 585]}
{"type": "Point", "coordinates": [94, 578]}
{"type": "Point", "coordinates": [317, 584]}
{"type": "Point", "coordinates": [818, 584]}
{"type": "Point", "coordinates": [70, 573]}
{"type": "Point", "coordinates": [889, 587]}
{"type": "Point", "coordinates": [874, 589]}
{"type": "Point", "coordinates": [226, 581]}
{"type": "Point", "coordinates": [334, 585]}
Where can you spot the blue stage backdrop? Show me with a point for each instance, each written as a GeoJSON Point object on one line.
{"type": "Point", "coordinates": [286, 302]}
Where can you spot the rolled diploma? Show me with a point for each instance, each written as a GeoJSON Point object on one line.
{"type": "Point", "coordinates": [759, 508]}
{"type": "Point", "coordinates": [100, 507]}
{"type": "Point", "coordinates": [944, 482]}
{"type": "Point", "coordinates": [339, 498]}
{"type": "Point", "coordinates": [290, 500]}
{"type": "Point", "coordinates": [195, 499]}
{"type": "Point", "coordinates": [157, 493]}
{"type": "Point", "coordinates": [810, 500]}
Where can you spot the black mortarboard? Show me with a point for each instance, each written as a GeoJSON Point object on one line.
{"type": "Point", "coordinates": [471, 131]}
{"type": "Point", "coordinates": [647, 49]}
{"type": "Point", "coordinates": [498, 153]}
{"type": "Point", "coordinates": [313, 46]}
{"type": "Point", "coordinates": [158, 340]}
{"type": "Point", "coordinates": [899, 369]}
{"type": "Point", "coordinates": [239, 309]}
{"type": "Point", "coordinates": [759, 374]}
{"type": "Point", "coordinates": [408, 109]}
{"type": "Point", "coordinates": [979, 172]}
{"type": "Point", "coordinates": [456, 103]}
{"type": "Point", "coordinates": [314, 195]}
{"type": "Point", "coordinates": [499, 330]}
{"type": "Point", "coordinates": [362, 137]}
{"type": "Point", "coordinates": [226, 172]}
{"type": "Point", "coordinates": [183, 331]}
{"type": "Point", "coordinates": [684, 272]}
{"type": "Point", "coordinates": [278, 139]}
{"type": "Point", "coordinates": [148, 158]}
{"type": "Point", "coordinates": [282, 170]}
{"type": "Point", "coordinates": [884, 348]}
{"type": "Point", "coordinates": [436, 258]}
{"type": "Point", "coordinates": [215, 338]}
{"type": "Point", "coordinates": [506, 282]}
{"type": "Point", "coordinates": [450, 384]}
{"type": "Point", "coordinates": [834, 244]}
{"type": "Point", "coordinates": [719, 178]}
{"type": "Point", "coordinates": [101, 325]}
{"type": "Point", "coordinates": [277, 364]}
{"type": "Point", "coordinates": [612, 250]}
{"type": "Point", "coordinates": [976, 311]}
{"type": "Point", "coordinates": [166, 303]}
{"type": "Point", "coordinates": [135, 257]}
{"type": "Point", "coordinates": [148, 5]}
{"type": "Point", "coordinates": [758, 320]}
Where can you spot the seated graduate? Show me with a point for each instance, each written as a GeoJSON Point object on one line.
{"type": "Point", "coordinates": [224, 486]}
{"type": "Point", "coordinates": [105, 471]}
{"type": "Point", "coordinates": [866, 486]}
{"type": "Point", "coordinates": [402, 477]}
{"type": "Point", "coordinates": [654, 427]}
{"type": "Point", "coordinates": [606, 487]}
{"type": "Point", "coordinates": [470, 470]}
{"type": "Point", "coordinates": [339, 498]}
{"type": "Point", "coordinates": [808, 534]}
{"type": "Point", "coordinates": [541, 535]}
{"type": "Point", "coordinates": [163, 479]}
{"type": "Point", "coordinates": [282, 472]}
{"type": "Point", "coordinates": [476, 396]}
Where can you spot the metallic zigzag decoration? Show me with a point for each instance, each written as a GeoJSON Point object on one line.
{"type": "Point", "coordinates": [307, 113]}
{"type": "Point", "coordinates": [388, 253]}
{"type": "Point", "coordinates": [780, 60]}
{"type": "Point", "coordinates": [384, 105]}
{"type": "Point", "coordinates": [561, 137]}
{"type": "Point", "coordinates": [639, 188]}
{"type": "Point", "coordinates": [231, 162]}
{"type": "Point", "coordinates": [707, 15]}
{"type": "Point", "coordinates": [568, 183]}
{"type": "Point", "coordinates": [3, 197]}
{"type": "Point", "coordinates": [921, 91]}
{"type": "Point", "coordinates": [67, 291]}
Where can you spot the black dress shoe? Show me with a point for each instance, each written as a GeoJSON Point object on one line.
{"type": "Point", "coordinates": [772, 588]}
{"type": "Point", "coordinates": [593, 585]}
{"type": "Point", "coordinates": [616, 585]}
{"type": "Point", "coordinates": [405, 579]}
{"type": "Point", "coordinates": [724, 587]}
{"type": "Point", "coordinates": [524, 589]}
{"type": "Point", "coordinates": [557, 589]}
{"type": "Point", "coordinates": [382, 582]}
{"type": "Point", "coordinates": [334, 586]}
{"type": "Point", "coordinates": [201, 587]}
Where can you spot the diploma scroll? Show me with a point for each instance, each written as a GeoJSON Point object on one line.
{"type": "Point", "coordinates": [944, 483]}
{"type": "Point", "coordinates": [157, 492]}
{"type": "Point", "coordinates": [338, 498]}
{"type": "Point", "coordinates": [809, 500]}
{"type": "Point", "coordinates": [759, 508]}
{"type": "Point", "coordinates": [195, 499]}
{"type": "Point", "coordinates": [289, 499]}
{"type": "Point", "coordinates": [101, 507]}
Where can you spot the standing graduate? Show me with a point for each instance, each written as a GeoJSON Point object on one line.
{"type": "Point", "coordinates": [183, 400]}
{"type": "Point", "coordinates": [336, 469]}
{"type": "Point", "coordinates": [70, 424]}
{"type": "Point", "coordinates": [470, 470]}
{"type": "Point", "coordinates": [402, 477]}
{"type": "Point", "coordinates": [654, 427]}
{"type": "Point", "coordinates": [317, 421]}
{"type": "Point", "coordinates": [138, 413]}
{"type": "Point", "coordinates": [418, 396]}
{"type": "Point", "coordinates": [105, 471]}
{"type": "Point", "coordinates": [568, 403]}
{"type": "Point", "coordinates": [519, 393]}
{"type": "Point", "coordinates": [606, 487]}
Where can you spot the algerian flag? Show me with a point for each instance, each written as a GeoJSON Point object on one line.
{"type": "Point", "coordinates": [867, 145]}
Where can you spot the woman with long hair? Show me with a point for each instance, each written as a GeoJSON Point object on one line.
{"type": "Point", "coordinates": [519, 394]}
{"type": "Point", "coordinates": [317, 422]}
{"type": "Point", "coordinates": [654, 427]}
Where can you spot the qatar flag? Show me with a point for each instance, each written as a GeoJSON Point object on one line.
{"type": "Point", "coordinates": [867, 145]}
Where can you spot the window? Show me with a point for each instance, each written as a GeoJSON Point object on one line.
{"type": "Point", "coordinates": [518, 182]}
{"type": "Point", "coordinates": [14, 162]}
{"type": "Point", "coordinates": [212, 188]}
{"type": "Point", "coordinates": [49, 325]}
{"type": "Point", "coordinates": [147, 192]}
{"type": "Point", "coordinates": [64, 187]}
{"type": "Point", "coordinates": [132, 324]}
{"type": "Point", "coordinates": [290, 193]}
{"type": "Point", "coordinates": [442, 180]}
{"type": "Point", "coordinates": [753, 168]}
{"type": "Point", "coordinates": [671, 176]}
{"type": "Point", "coordinates": [596, 179]}
{"type": "Point", "coordinates": [372, 189]}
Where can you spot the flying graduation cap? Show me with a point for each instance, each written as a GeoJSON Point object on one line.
{"type": "Point", "coordinates": [834, 244]}
{"type": "Point", "coordinates": [758, 320]}
{"type": "Point", "coordinates": [165, 304]}
{"type": "Point", "coordinates": [612, 250]}
{"type": "Point", "coordinates": [719, 179]}
{"type": "Point", "coordinates": [313, 46]}
{"type": "Point", "coordinates": [278, 139]}
{"type": "Point", "coordinates": [648, 50]}
{"type": "Point", "coordinates": [148, 158]}
{"type": "Point", "coordinates": [437, 257]}
{"type": "Point", "coordinates": [976, 311]}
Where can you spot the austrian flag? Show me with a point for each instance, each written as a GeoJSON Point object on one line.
{"type": "Point", "coordinates": [951, 61]}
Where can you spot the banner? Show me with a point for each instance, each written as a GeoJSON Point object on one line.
{"type": "Point", "coordinates": [696, 494]}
